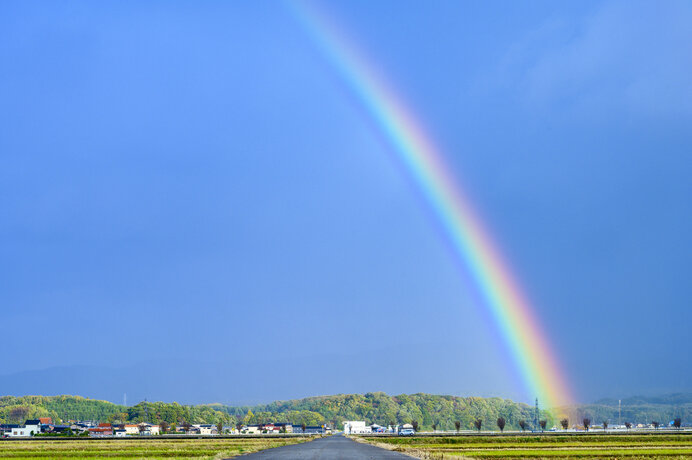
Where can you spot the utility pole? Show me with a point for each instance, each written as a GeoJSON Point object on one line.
{"type": "Point", "coordinates": [125, 399]}
{"type": "Point", "coordinates": [619, 411]}
{"type": "Point", "coordinates": [146, 410]}
{"type": "Point", "coordinates": [536, 416]}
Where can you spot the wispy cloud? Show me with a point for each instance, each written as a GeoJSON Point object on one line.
{"type": "Point", "coordinates": [625, 56]}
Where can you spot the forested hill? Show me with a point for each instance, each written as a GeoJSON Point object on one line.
{"type": "Point", "coordinates": [15, 409]}
{"type": "Point", "coordinates": [380, 408]}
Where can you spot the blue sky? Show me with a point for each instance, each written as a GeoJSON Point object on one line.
{"type": "Point", "coordinates": [193, 180]}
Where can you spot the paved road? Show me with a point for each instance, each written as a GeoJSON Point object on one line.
{"type": "Point", "coordinates": [329, 448]}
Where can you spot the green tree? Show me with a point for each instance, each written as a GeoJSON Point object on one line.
{"type": "Point", "coordinates": [565, 423]}
{"type": "Point", "coordinates": [478, 423]}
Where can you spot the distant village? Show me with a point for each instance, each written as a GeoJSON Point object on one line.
{"type": "Point", "coordinates": [45, 426]}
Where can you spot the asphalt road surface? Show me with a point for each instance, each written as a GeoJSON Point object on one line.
{"type": "Point", "coordinates": [329, 448]}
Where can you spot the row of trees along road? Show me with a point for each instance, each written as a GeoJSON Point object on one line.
{"type": "Point", "coordinates": [586, 423]}
{"type": "Point", "coordinates": [478, 424]}
{"type": "Point", "coordinates": [501, 423]}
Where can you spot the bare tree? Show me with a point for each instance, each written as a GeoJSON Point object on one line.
{"type": "Point", "coordinates": [655, 424]}
{"type": "Point", "coordinates": [501, 424]}
{"type": "Point", "coordinates": [434, 425]}
{"type": "Point", "coordinates": [605, 425]}
{"type": "Point", "coordinates": [478, 423]}
{"type": "Point", "coordinates": [142, 428]}
{"type": "Point", "coordinates": [415, 425]}
{"type": "Point", "coordinates": [587, 423]}
{"type": "Point", "coordinates": [186, 426]}
{"type": "Point", "coordinates": [303, 427]}
{"type": "Point", "coordinates": [565, 423]}
{"type": "Point", "coordinates": [457, 425]}
{"type": "Point", "coordinates": [219, 428]}
{"type": "Point", "coordinates": [522, 425]}
{"type": "Point", "coordinates": [19, 414]}
{"type": "Point", "coordinates": [628, 425]}
{"type": "Point", "coordinates": [163, 426]}
{"type": "Point", "coordinates": [677, 423]}
{"type": "Point", "coordinates": [543, 423]}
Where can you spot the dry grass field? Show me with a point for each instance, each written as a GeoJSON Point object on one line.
{"type": "Point", "coordinates": [664, 446]}
{"type": "Point", "coordinates": [152, 448]}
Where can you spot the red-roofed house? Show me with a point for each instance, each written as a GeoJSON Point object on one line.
{"type": "Point", "coordinates": [104, 429]}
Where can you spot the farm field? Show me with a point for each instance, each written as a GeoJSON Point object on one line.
{"type": "Point", "coordinates": [664, 446]}
{"type": "Point", "coordinates": [204, 448]}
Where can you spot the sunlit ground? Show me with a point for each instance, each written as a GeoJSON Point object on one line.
{"type": "Point", "coordinates": [208, 448]}
{"type": "Point", "coordinates": [536, 447]}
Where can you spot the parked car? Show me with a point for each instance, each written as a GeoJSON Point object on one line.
{"type": "Point", "coordinates": [406, 432]}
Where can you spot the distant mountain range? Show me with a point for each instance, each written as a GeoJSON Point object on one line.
{"type": "Point", "coordinates": [248, 378]}
{"type": "Point", "coordinates": [639, 409]}
{"type": "Point", "coordinates": [668, 399]}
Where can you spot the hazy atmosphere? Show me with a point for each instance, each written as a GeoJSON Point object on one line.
{"type": "Point", "coordinates": [194, 206]}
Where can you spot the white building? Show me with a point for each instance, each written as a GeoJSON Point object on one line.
{"type": "Point", "coordinates": [147, 429]}
{"type": "Point", "coordinates": [356, 427]}
{"type": "Point", "coordinates": [20, 432]}
{"type": "Point", "coordinates": [206, 429]}
{"type": "Point", "coordinates": [30, 428]}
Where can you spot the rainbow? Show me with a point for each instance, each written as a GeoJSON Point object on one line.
{"type": "Point", "coordinates": [512, 313]}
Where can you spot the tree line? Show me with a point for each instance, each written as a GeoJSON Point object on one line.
{"type": "Point", "coordinates": [429, 412]}
{"type": "Point", "coordinates": [436, 412]}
